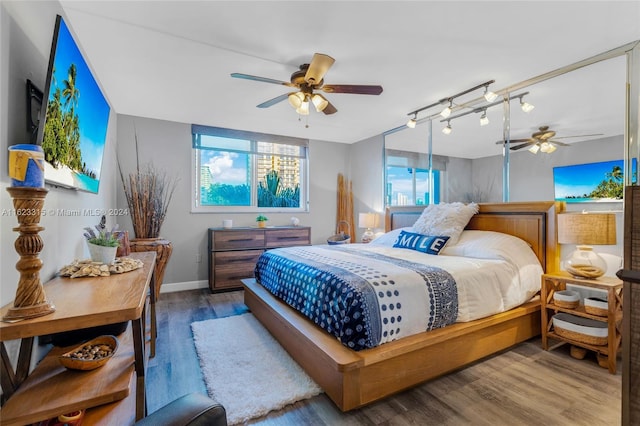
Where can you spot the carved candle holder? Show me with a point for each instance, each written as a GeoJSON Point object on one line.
{"type": "Point", "coordinates": [30, 300]}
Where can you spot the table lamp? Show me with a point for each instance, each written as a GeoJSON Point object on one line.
{"type": "Point", "coordinates": [586, 229]}
{"type": "Point", "coordinates": [368, 221]}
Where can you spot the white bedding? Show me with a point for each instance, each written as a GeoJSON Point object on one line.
{"type": "Point", "coordinates": [494, 272]}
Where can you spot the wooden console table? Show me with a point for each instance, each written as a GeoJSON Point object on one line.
{"type": "Point", "coordinates": [85, 302]}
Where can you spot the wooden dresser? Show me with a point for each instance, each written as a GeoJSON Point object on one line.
{"type": "Point", "coordinates": [233, 253]}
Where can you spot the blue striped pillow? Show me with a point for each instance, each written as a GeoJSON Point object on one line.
{"type": "Point", "coordinates": [419, 242]}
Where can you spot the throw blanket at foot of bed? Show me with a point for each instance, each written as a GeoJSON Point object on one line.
{"type": "Point", "coordinates": [363, 298]}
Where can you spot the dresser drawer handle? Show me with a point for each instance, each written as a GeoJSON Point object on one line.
{"type": "Point", "coordinates": [240, 240]}
{"type": "Point", "coordinates": [288, 238]}
{"type": "Point", "coordinates": [241, 259]}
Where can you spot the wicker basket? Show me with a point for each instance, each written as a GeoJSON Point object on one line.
{"type": "Point", "coordinates": [340, 237]}
{"type": "Point", "coordinates": [596, 306]}
{"type": "Point", "coordinates": [568, 299]}
{"type": "Point", "coordinates": [583, 330]}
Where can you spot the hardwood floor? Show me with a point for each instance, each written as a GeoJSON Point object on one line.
{"type": "Point", "coordinates": [523, 386]}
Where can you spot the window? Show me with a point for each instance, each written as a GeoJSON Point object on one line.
{"type": "Point", "coordinates": [237, 170]}
{"type": "Point", "coordinates": [408, 179]}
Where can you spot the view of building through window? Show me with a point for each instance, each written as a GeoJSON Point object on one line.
{"type": "Point", "coordinates": [408, 186]}
{"type": "Point", "coordinates": [251, 173]}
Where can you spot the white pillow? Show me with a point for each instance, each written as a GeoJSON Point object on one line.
{"type": "Point", "coordinates": [447, 219]}
{"type": "Point", "coordinates": [389, 238]}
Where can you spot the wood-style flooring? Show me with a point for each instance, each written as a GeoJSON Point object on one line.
{"type": "Point", "coordinates": [522, 386]}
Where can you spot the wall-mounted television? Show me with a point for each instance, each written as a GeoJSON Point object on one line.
{"type": "Point", "coordinates": [74, 118]}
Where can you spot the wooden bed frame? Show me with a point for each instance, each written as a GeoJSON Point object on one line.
{"type": "Point", "coordinates": [352, 379]}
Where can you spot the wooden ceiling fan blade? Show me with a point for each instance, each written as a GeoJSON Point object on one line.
{"type": "Point", "coordinates": [524, 145]}
{"type": "Point", "coordinates": [329, 109]}
{"type": "Point", "coordinates": [352, 88]}
{"type": "Point", "coordinates": [262, 79]}
{"type": "Point", "coordinates": [270, 102]}
{"type": "Point", "coordinates": [512, 141]}
{"type": "Point", "coordinates": [580, 136]}
{"type": "Point", "coordinates": [555, 142]}
{"type": "Point", "coordinates": [318, 67]}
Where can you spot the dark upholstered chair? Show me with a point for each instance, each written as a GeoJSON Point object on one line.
{"type": "Point", "coordinates": [193, 409]}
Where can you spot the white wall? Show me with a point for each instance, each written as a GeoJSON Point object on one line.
{"type": "Point", "coordinates": [531, 178]}
{"type": "Point", "coordinates": [167, 145]}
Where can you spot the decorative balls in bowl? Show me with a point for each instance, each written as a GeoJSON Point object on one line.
{"type": "Point", "coordinates": [90, 355]}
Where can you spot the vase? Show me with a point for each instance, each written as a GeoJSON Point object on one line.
{"type": "Point", "coordinates": [30, 300]}
{"type": "Point", "coordinates": [262, 224]}
{"type": "Point", "coordinates": [163, 249]}
{"type": "Point", "coordinates": [102, 254]}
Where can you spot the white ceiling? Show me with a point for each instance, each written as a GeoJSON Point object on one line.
{"type": "Point", "coordinates": [172, 60]}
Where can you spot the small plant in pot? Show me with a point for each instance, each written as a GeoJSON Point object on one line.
{"type": "Point", "coordinates": [262, 221]}
{"type": "Point", "coordinates": [102, 244]}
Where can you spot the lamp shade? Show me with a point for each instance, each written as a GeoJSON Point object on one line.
{"type": "Point", "coordinates": [587, 228]}
{"type": "Point", "coordinates": [367, 220]}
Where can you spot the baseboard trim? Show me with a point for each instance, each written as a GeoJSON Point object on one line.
{"type": "Point", "coordinates": [187, 285]}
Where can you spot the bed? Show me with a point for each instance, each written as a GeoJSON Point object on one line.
{"type": "Point", "coordinates": [354, 378]}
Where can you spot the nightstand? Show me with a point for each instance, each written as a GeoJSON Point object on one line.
{"type": "Point", "coordinates": [612, 285]}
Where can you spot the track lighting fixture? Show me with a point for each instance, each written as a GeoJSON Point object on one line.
{"type": "Point", "coordinates": [413, 121]}
{"type": "Point", "coordinates": [489, 95]}
{"type": "Point", "coordinates": [526, 106]}
{"type": "Point", "coordinates": [447, 130]}
{"type": "Point", "coordinates": [484, 120]}
{"type": "Point", "coordinates": [447, 111]}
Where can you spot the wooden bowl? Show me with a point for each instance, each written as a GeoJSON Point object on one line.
{"type": "Point", "coordinates": [103, 349]}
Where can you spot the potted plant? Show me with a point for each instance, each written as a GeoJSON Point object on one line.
{"type": "Point", "coordinates": [103, 244]}
{"type": "Point", "coordinates": [148, 192]}
{"type": "Point", "coordinates": [262, 221]}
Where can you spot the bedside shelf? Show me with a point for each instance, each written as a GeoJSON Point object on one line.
{"type": "Point", "coordinates": [613, 286]}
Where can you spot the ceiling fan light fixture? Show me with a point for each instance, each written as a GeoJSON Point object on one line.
{"type": "Point", "coordinates": [489, 95]}
{"type": "Point", "coordinates": [534, 149]}
{"type": "Point", "coordinates": [295, 99]}
{"type": "Point", "coordinates": [303, 109]}
{"type": "Point", "coordinates": [484, 120]}
{"type": "Point", "coordinates": [550, 148]}
{"type": "Point", "coordinates": [447, 130]}
{"type": "Point", "coordinates": [545, 147]}
{"type": "Point", "coordinates": [319, 102]}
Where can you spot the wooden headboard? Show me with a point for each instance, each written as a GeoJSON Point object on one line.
{"type": "Point", "coordinates": [535, 222]}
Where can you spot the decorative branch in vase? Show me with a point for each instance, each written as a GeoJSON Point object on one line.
{"type": "Point", "coordinates": [149, 192]}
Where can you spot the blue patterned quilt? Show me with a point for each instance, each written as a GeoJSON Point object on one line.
{"type": "Point", "coordinates": [362, 298]}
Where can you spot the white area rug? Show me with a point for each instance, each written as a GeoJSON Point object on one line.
{"type": "Point", "coordinates": [245, 368]}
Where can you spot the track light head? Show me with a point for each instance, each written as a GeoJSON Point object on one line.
{"type": "Point", "coordinates": [489, 95]}
{"type": "Point", "coordinates": [447, 130]}
{"type": "Point", "coordinates": [526, 106]}
{"type": "Point", "coordinates": [484, 120]}
{"type": "Point", "coordinates": [411, 123]}
{"type": "Point", "coordinates": [447, 111]}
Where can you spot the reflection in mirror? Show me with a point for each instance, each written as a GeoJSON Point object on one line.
{"type": "Point", "coordinates": [585, 108]}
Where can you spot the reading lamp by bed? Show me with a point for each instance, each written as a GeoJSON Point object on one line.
{"type": "Point", "coordinates": [586, 229]}
{"type": "Point", "coordinates": [368, 221]}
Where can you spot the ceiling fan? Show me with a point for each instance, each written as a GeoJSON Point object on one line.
{"type": "Point", "coordinates": [307, 79]}
{"type": "Point", "coordinates": [543, 140]}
